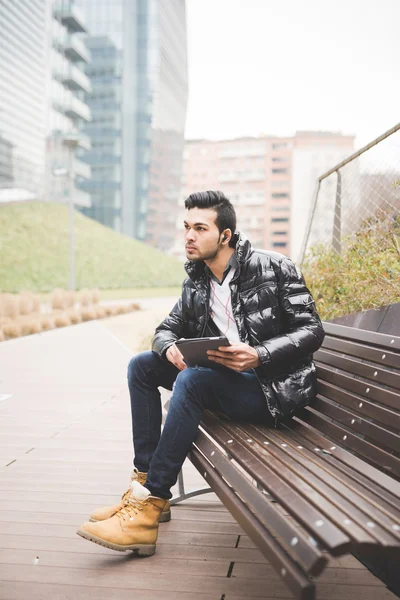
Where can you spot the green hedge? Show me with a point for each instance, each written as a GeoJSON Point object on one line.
{"type": "Point", "coordinates": [365, 275]}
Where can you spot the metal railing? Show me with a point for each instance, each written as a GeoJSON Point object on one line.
{"type": "Point", "coordinates": [355, 194]}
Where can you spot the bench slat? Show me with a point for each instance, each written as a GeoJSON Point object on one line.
{"type": "Point", "coordinates": [362, 351]}
{"type": "Point", "coordinates": [346, 515]}
{"type": "Point", "coordinates": [379, 481]}
{"type": "Point", "coordinates": [346, 439]}
{"type": "Point", "coordinates": [367, 409]}
{"type": "Point", "coordinates": [293, 500]}
{"type": "Point", "coordinates": [304, 436]}
{"type": "Point", "coordinates": [356, 423]}
{"type": "Point", "coordinates": [367, 390]}
{"type": "Point", "coordinates": [310, 558]}
{"type": "Point", "coordinates": [350, 365]}
{"type": "Point", "coordinates": [336, 485]}
{"type": "Point", "coordinates": [381, 498]}
{"type": "Point", "coordinates": [382, 340]}
{"type": "Point", "coordinates": [295, 579]}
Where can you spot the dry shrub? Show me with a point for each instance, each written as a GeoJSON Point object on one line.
{"type": "Point", "coordinates": [75, 316]}
{"type": "Point", "coordinates": [120, 309]}
{"type": "Point", "coordinates": [70, 299]}
{"type": "Point", "coordinates": [36, 303]}
{"type": "Point", "coordinates": [109, 310]}
{"type": "Point", "coordinates": [112, 311]}
{"type": "Point", "coordinates": [62, 320]}
{"type": "Point", "coordinates": [2, 336]}
{"type": "Point", "coordinates": [10, 305]}
{"type": "Point", "coordinates": [88, 314]}
{"type": "Point", "coordinates": [12, 330]}
{"type": "Point", "coordinates": [47, 323]}
{"type": "Point", "coordinates": [58, 299]}
{"type": "Point", "coordinates": [5, 321]}
{"type": "Point", "coordinates": [26, 303]}
{"type": "Point", "coordinates": [100, 312]}
{"type": "Point", "coordinates": [84, 298]}
{"type": "Point", "coordinates": [30, 326]}
{"type": "Point", "coordinates": [134, 306]}
{"type": "Point", "coordinates": [23, 323]}
{"type": "Point", "coordinates": [95, 296]}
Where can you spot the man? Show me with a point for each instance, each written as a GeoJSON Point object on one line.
{"type": "Point", "coordinates": [259, 300]}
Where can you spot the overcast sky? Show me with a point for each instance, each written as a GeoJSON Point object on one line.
{"type": "Point", "coordinates": [277, 66]}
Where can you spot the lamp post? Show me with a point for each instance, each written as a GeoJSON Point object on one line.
{"type": "Point", "coordinates": [71, 142]}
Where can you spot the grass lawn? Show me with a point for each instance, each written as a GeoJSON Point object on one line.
{"type": "Point", "coordinates": [128, 294]}
{"type": "Point", "coordinates": [34, 251]}
{"type": "Point", "coordinates": [140, 293]}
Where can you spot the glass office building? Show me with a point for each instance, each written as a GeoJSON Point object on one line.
{"type": "Point", "coordinates": [138, 75]}
{"type": "Point", "coordinates": [23, 94]}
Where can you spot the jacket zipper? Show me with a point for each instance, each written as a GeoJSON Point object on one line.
{"type": "Point", "coordinates": [271, 410]}
{"type": "Point", "coordinates": [206, 315]}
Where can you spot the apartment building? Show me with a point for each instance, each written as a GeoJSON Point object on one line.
{"type": "Point", "coordinates": [68, 111]}
{"type": "Point", "coordinates": [269, 180]}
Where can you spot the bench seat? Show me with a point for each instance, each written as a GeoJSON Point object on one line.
{"type": "Point", "coordinates": [326, 482]}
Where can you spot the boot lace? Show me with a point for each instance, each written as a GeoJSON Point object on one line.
{"type": "Point", "coordinates": [132, 507]}
{"type": "Point", "coordinates": [125, 495]}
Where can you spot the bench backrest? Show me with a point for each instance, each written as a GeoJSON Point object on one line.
{"type": "Point", "coordinates": [358, 403]}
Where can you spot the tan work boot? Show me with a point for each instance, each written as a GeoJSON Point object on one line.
{"type": "Point", "coordinates": [134, 527]}
{"type": "Point", "coordinates": [106, 512]}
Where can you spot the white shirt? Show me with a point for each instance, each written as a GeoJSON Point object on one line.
{"type": "Point", "coordinates": [221, 308]}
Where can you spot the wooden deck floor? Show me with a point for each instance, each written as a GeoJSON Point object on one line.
{"type": "Point", "coordinates": [65, 449]}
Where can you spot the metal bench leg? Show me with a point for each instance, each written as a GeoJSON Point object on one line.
{"type": "Point", "coordinates": [184, 496]}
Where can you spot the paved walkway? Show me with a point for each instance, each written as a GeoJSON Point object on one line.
{"type": "Point", "coordinates": [65, 448]}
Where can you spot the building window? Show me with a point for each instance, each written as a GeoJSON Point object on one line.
{"type": "Point", "coordinates": [280, 208]}
{"type": "Point", "coordinates": [279, 145]}
{"type": "Point", "coordinates": [280, 220]}
{"type": "Point", "coordinates": [279, 233]}
{"type": "Point", "coordinates": [283, 195]}
{"type": "Point", "coordinates": [279, 171]}
{"type": "Point", "coordinates": [277, 184]}
{"type": "Point", "coordinates": [279, 244]}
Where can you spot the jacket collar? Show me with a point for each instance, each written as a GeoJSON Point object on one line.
{"type": "Point", "coordinates": [195, 269]}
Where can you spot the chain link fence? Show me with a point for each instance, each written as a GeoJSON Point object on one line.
{"type": "Point", "coordinates": [351, 250]}
{"type": "Point", "coordinates": [357, 195]}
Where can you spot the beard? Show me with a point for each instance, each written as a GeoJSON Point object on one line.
{"type": "Point", "coordinates": [206, 255]}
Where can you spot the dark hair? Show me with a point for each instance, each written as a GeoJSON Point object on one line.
{"type": "Point", "coordinates": [226, 216]}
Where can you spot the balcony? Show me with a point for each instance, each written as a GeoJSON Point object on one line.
{"type": "Point", "coordinates": [75, 79]}
{"type": "Point", "coordinates": [82, 169]}
{"type": "Point", "coordinates": [76, 50]}
{"type": "Point", "coordinates": [70, 16]}
{"type": "Point", "coordinates": [76, 109]}
{"type": "Point", "coordinates": [225, 177]}
{"type": "Point", "coordinates": [84, 141]}
{"type": "Point", "coordinates": [81, 198]}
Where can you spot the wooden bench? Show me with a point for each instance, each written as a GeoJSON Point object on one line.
{"type": "Point", "coordinates": [327, 482]}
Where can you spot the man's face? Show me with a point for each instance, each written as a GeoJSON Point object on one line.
{"type": "Point", "coordinates": [202, 237]}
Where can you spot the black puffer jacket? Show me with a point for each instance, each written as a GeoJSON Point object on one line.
{"type": "Point", "coordinates": [274, 313]}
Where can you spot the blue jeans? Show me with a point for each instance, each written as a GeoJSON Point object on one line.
{"type": "Point", "coordinates": [161, 455]}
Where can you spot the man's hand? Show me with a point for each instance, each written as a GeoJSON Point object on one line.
{"type": "Point", "coordinates": [239, 357]}
{"type": "Point", "coordinates": [175, 357]}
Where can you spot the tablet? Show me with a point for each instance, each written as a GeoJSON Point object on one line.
{"type": "Point", "coordinates": [194, 350]}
